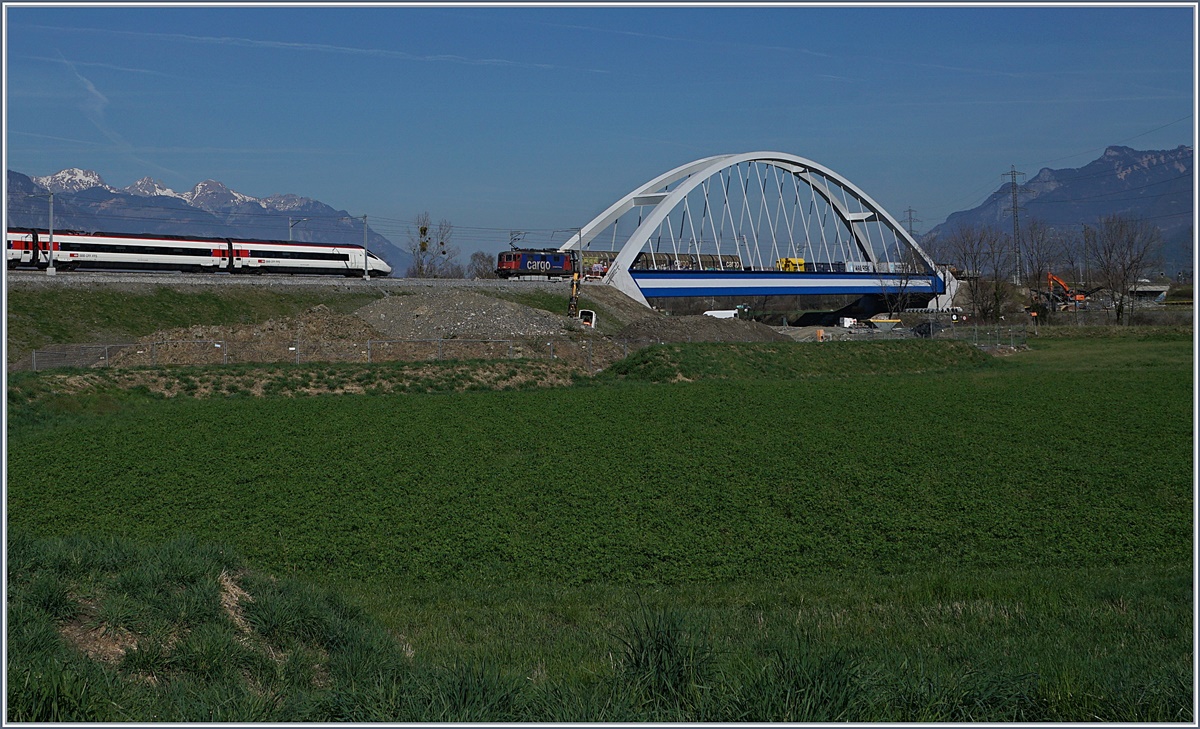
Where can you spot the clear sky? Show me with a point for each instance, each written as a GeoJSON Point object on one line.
{"type": "Point", "coordinates": [526, 118]}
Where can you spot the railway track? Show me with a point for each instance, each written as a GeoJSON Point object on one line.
{"type": "Point", "coordinates": [63, 279]}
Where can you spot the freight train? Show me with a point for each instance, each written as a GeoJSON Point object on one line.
{"type": "Point", "coordinates": [30, 248]}
{"type": "Point", "coordinates": [552, 263]}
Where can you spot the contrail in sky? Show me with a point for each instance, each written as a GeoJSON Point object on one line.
{"type": "Point", "coordinates": [789, 49]}
{"type": "Point", "coordinates": [93, 108]}
{"type": "Point", "coordinates": [326, 48]}
{"type": "Point", "coordinates": [126, 69]}
{"type": "Point", "coordinates": [658, 36]}
{"type": "Point", "coordinates": [85, 142]}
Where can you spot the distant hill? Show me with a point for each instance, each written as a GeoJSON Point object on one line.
{"type": "Point", "coordinates": [1154, 185]}
{"type": "Point", "coordinates": [83, 201]}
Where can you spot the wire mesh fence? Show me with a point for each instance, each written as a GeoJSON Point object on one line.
{"type": "Point", "coordinates": [986, 335]}
{"type": "Point", "coordinates": [75, 355]}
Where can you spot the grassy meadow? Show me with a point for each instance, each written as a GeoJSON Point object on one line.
{"type": "Point", "coordinates": [873, 531]}
{"type": "Point", "coordinates": [38, 317]}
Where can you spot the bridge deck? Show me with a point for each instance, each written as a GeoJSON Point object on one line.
{"type": "Point", "coordinates": [779, 283]}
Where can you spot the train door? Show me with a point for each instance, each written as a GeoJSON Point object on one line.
{"type": "Point", "coordinates": [21, 249]}
{"type": "Point", "coordinates": [233, 256]}
{"type": "Point", "coordinates": [41, 251]}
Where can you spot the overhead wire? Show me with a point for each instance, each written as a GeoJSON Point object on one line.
{"type": "Point", "coordinates": [1098, 149]}
{"type": "Point", "coordinates": [391, 227]}
{"type": "Point", "coordinates": [1105, 173]}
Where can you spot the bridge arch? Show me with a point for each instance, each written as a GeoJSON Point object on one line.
{"type": "Point", "coordinates": [755, 208]}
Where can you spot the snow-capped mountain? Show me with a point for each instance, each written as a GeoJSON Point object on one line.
{"type": "Point", "coordinates": [72, 180]}
{"type": "Point", "coordinates": [209, 195]}
{"type": "Point", "coordinates": [213, 196]}
{"type": "Point", "coordinates": [83, 201]}
{"type": "Point", "coordinates": [286, 203]}
{"type": "Point", "coordinates": [149, 187]}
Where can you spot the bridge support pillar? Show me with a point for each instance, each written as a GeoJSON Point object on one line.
{"type": "Point", "coordinates": [618, 277]}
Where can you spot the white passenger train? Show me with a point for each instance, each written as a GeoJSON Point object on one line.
{"type": "Point", "coordinates": [30, 248]}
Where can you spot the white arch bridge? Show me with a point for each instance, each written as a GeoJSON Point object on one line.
{"type": "Point", "coordinates": [756, 224]}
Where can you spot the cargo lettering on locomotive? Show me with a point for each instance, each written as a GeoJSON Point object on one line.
{"type": "Point", "coordinates": [547, 263]}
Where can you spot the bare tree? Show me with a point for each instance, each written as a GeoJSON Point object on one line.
{"type": "Point", "coordinates": [1072, 256]}
{"type": "Point", "coordinates": [1120, 250]}
{"type": "Point", "coordinates": [936, 247]}
{"type": "Point", "coordinates": [433, 256]}
{"type": "Point", "coordinates": [987, 262]}
{"type": "Point", "coordinates": [481, 265]}
{"type": "Point", "coordinates": [1002, 263]}
{"type": "Point", "coordinates": [1039, 248]}
{"type": "Point", "coordinates": [896, 281]}
{"type": "Point", "coordinates": [965, 247]}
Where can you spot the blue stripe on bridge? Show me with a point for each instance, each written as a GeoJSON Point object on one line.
{"type": "Point", "coordinates": [779, 283]}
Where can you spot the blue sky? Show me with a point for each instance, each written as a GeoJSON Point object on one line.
{"type": "Point", "coordinates": [538, 118]}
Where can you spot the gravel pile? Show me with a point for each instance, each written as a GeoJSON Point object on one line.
{"type": "Point", "coordinates": [454, 316]}
{"type": "Point", "coordinates": [459, 314]}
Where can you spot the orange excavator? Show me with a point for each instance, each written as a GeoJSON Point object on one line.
{"type": "Point", "coordinates": [1069, 294]}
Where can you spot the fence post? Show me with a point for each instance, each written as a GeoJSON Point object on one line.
{"type": "Point", "coordinates": [439, 354]}
{"type": "Point", "coordinates": [368, 351]}
{"type": "Point", "coordinates": [35, 360]}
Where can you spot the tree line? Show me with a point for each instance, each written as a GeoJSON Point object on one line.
{"type": "Point", "coordinates": [1113, 255]}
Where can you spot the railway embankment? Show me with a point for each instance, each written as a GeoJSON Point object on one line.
{"type": "Point", "coordinates": [296, 318]}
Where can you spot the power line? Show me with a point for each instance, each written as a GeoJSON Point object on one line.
{"type": "Point", "coordinates": [1041, 201]}
{"type": "Point", "coordinates": [1122, 141]}
{"type": "Point", "coordinates": [1107, 173]}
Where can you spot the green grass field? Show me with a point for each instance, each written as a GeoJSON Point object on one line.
{"type": "Point", "coordinates": [38, 317]}
{"type": "Point", "coordinates": [865, 531]}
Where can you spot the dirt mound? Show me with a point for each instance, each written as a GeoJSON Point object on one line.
{"type": "Point", "coordinates": [272, 339]}
{"type": "Point", "coordinates": [698, 329]}
{"type": "Point", "coordinates": [445, 323]}
{"type": "Point", "coordinates": [622, 308]}
{"type": "Point", "coordinates": [459, 314]}
{"type": "Point", "coordinates": [316, 323]}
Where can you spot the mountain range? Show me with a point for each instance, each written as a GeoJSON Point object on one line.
{"type": "Point", "coordinates": [83, 201]}
{"type": "Point", "coordinates": [1154, 185]}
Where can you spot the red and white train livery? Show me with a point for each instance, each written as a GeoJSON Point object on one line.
{"type": "Point", "coordinates": [29, 247]}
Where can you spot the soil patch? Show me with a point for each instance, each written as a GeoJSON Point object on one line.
{"type": "Point", "coordinates": [458, 314]}
{"type": "Point", "coordinates": [698, 328]}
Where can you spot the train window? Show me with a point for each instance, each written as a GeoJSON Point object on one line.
{"type": "Point", "coordinates": [68, 245]}
{"type": "Point", "coordinates": [299, 255]}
